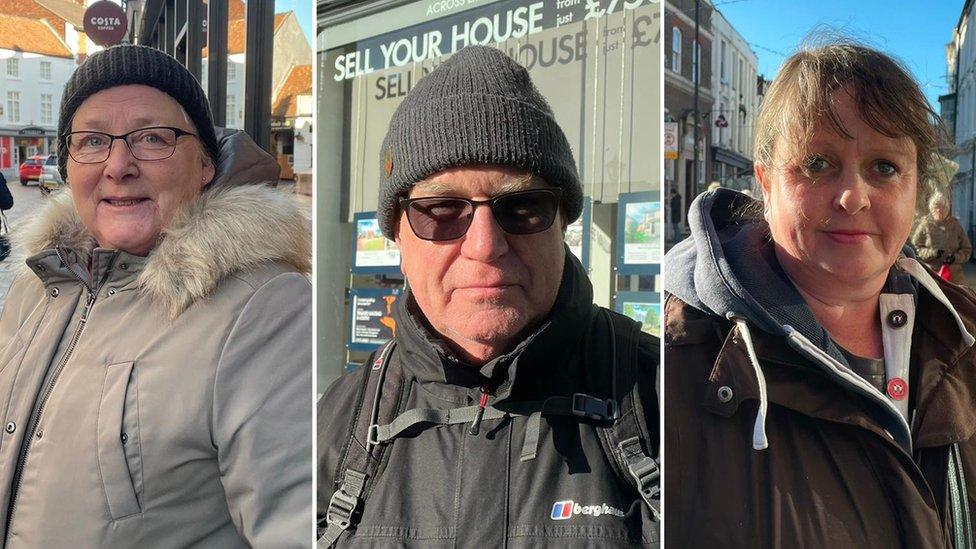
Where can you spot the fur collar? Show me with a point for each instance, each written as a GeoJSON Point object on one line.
{"type": "Point", "coordinates": [222, 231]}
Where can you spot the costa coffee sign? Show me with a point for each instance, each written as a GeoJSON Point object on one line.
{"type": "Point", "coordinates": [105, 23]}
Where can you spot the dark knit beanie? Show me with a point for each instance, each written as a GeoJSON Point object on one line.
{"type": "Point", "coordinates": [478, 107]}
{"type": "Point", "coordinates": [127, 64]}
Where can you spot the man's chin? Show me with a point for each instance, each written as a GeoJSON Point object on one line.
{"type": "Point", "coordinates": [490, 327]}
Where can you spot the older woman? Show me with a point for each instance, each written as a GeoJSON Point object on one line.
{"type": "Point", "coordinates": [155, 357]}
{"type": "Point", "coordinates": [821, 384]}
{"type": "Point", "coordinates": [941, 240]}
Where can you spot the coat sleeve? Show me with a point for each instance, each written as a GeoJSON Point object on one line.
{"type": "Point", "coordinates": [262, 415]}
{"type": "Point", "coordinates": [965, 247]}
{"type": "Point", "coordinates": [920, 239]}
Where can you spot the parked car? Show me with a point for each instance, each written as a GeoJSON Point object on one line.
{"type": "Point", "coordinates": [30, 169]}
{"type": "Point", "coordinates": [50, 179]}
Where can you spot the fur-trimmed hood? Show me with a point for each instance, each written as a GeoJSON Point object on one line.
{"type": "Point", "coordinates": [224, 230]}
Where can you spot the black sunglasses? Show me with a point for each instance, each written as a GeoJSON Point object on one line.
{"type": "Point", "coordinates": [448, 217]}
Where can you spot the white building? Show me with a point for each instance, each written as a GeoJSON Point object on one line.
{"type": "Point", "coordinates": [958, 109]}
{"type": "Point", "coordinates": [290, 48]}
{"type": "Point", "coordinates": [736, 106]}
{"type": "Point", "coordinates": [35, 64]}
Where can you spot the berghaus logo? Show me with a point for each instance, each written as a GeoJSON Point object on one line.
{"type": "Point", "coordinates": [562, 510]}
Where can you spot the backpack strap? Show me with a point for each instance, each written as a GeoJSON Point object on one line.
{"type": "Point", "coordinates": [626, 440]}
{"type": "Point", "coordinates": [379, 398]}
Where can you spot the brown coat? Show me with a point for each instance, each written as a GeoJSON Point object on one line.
{"type": "Point", "coordinates": [932, 237]}
{"type": "Point", "coordinates": [831, 475]}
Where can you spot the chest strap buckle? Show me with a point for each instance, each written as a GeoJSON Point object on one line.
{"type": "Point", "coordinates": [594, 408]}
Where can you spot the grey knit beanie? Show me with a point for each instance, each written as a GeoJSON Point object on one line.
{"type": "Point", "coordinates": [478, 107]}
{"type": "Point", "coordinates": [128, 64]}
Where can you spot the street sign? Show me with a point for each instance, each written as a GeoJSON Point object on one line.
{"type": "Point", "coordinates": [105, 23]}
{"type": "Point", "coordinates": [670, 140]}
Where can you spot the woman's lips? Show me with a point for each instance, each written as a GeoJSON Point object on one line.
{"type": "Point", "coordinates": [848, 237]}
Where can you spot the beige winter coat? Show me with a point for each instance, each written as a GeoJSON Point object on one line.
{"type": "Point", "coordinates": [174, 397]}
{"type": "Point", "coordinates": [932, 236]}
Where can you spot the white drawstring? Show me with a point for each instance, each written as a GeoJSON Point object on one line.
{"type": "Point", "coordinates": [759, 440]}
{"type": "Point", "coordinates": [915, 269]}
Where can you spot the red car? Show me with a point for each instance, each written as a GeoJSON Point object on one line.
{"type": "Point", "coordinates": [31, 169]}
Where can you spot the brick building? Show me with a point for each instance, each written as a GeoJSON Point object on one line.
{"type": "Point", "coordinates": [681, 63]}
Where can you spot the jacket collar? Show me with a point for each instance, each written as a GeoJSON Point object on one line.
{"type": "Point", "coordinates": [547, 351]}
{"type": "Point", "coordinates": [224, 230]}
{"type": "Point", "coordinates": [945, 386]}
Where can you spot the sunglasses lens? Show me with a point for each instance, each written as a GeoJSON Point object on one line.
{"type": "Point", "coordinates": [439, 218]}
{"type": "Point", "coordinates": [526, 212]}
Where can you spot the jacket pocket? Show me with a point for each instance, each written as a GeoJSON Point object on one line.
{"type": "Point", "coordinates": [119, 452]}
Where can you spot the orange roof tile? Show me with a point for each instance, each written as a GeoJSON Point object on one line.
{"type": "Point", "coordinates": [235, 9]}
{"type": "Point", "coordinates": [69, 10]}
{"type": "Point", "coordinates": [237, 33]}
{"type": "Point", "coordinates": [32, 10]}
{"type": "Point", "coordinates": [30, 35]}
{"type": "Point", "coordinates": [299, 82]}
{"type": "Point", "coordinates": [280, 18]}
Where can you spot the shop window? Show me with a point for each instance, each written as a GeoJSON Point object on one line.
{"type": "Point", "coordinates": [13, 106]}
{"type": "Point", "coordinates": [47, 116]}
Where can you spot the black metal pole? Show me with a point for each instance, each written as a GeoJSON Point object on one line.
{"type": "Point", "coordinates": [696, 62]}
{"type": "Point", "coordinates": [217, 60]}
{"type": "Point", "coordinates": [257, 72]}
{"type": "Point", "coordinates": [194, 37]}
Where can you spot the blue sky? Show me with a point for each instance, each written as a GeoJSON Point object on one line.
{"type": "Point", "coordinates": [916, 31]}
{"type": "Point", "coordinates": [303, 10]}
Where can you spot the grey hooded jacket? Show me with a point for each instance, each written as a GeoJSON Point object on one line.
{"type": "Point", "coordinates": [445, 487]}
{"type": "Point", "coordinates": [162, 401]}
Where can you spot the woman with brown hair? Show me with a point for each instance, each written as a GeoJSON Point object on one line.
{"type": "Point", "coordinates": [820, 381]}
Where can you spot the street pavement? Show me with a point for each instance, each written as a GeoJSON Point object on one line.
{"type": "Point", "coordinates": [28, 201]}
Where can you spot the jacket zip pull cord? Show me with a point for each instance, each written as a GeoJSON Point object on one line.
{"type": "Point", "coordinates": [476, 424]}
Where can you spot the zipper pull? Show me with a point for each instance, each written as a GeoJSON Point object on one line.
{"type": "Point", "coordinates": [476, 424]}
{"type": "Point", "coordinates": [88, 307]}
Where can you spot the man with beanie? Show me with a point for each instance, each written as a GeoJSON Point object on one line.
{"type": "Point", "coordinates": [509, 410]}
{"type": "Point", "coordinates": [155, 360]}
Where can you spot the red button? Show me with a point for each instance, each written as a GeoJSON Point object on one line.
{"type": "Point", "coordinates": [897, 388]}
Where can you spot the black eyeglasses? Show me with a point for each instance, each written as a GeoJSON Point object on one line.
{"type": "Point", "coordinates": [448, 217]}
{"type": "Point", "coordinates": [153, 143]}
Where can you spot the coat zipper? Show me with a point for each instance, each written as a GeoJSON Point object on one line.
{"type": "Point", "coordinates": [33, 425]}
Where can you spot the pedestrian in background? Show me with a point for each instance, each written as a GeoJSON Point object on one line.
{"type": "Point", "coordinates": [674, 207]}
{"type": "Point", "coordinates": [941, 240]}
{"type": "Point", "coordinates": [155, 372]}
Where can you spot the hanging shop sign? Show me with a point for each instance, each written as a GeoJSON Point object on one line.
{"type": "Point", "coordinates": [105, 23]}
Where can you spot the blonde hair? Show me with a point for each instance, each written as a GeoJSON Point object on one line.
{"type": "Point", "coordinates": [887, 97]}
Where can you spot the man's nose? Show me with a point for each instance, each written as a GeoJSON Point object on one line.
{"type": "Point", "coordinates": [485, 240]}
